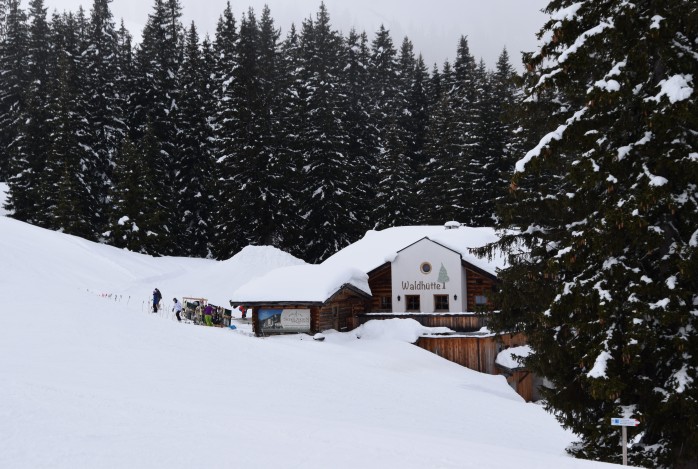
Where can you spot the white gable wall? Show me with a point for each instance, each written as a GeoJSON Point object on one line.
{"type": "Point", "coordinates": [408, 278]}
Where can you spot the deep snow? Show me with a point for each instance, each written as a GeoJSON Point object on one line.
{"type": "Point", "coordinates": [91, 379]}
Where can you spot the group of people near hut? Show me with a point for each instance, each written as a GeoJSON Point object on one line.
{"type": "Point", "coordinates": [192, 308]}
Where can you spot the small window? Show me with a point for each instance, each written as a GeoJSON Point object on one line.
{"type": "Point", "coordinates": [480, 300]}
{"type": "Point", "coordinates": [386, 303]}
{"type": "Point", "coordinates": [425, 268]}
{"type": "Point", "coordinates": [441, 303]}
{"type": "Point", "coordinates": [412, 303]}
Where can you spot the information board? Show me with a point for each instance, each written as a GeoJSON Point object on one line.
{"type": "Point", "coordinates": [284, 320]}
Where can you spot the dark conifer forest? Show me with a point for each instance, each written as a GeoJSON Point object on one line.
{"type": "Point", "coordinates": [197, 146]}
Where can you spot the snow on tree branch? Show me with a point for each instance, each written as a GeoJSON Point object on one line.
{"type": "Point", "coordinates": [545, 141]}
{"type": "Point", "coordinates": [675, 88]}
{"type": "Point", "coordinates": [583, 38]}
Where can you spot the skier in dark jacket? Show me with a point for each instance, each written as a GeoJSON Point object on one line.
{"type": "Point", "coordinates": [157, 296]}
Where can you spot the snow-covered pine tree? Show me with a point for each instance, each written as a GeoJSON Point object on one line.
{"type": "Point", "coordinates": [155, 100]}
{"type": "Point", "coordinates": [435, 88]}
{"type": "Point", "coordinates": [70, 164]}
{"type": "Point", "coordinates": [194, 181]}
{"type": "Point", "coordinates": [156, 236]}
{"type": "Point", "coordinates": [226, 66]}
{"type": "Point", "coordinates": [359, 127]}
{"type": "Point", "coordinates": [288, 152]}
{"type": "Point", "coordinates": [225, 62]}
{"type": "Point", "coordinates": [438, 193]}
{"type": "Point", "coordinates": [4, 11]}
{"type": "Point", "coordinates": [328, 176]}
{"type": "Point", "coordinates": [501, 136]}
{"type": "Point", "coordinates": [417, 117]}
{"type": "Point", "coordinates": [13, 70]}
{"type": "Point", "coordinates": [605, 271]}
{"type": "Point", "coordinates": [281, 167]}
{"type": "Point", "coordinates": [466, 183]}
{"type": "Point", "coordinates": [128, 216]}
{"type": "Point", "coordinates": [104, 105]}
{"type": "Point", "coordinates": [485, 154]}
{"type": "Point", "coordinates": [244, 211]}
{"type": "Point", "coordinates": [31, 147]}
{"type": "Point", "coordinates": [124, 81]}
{"type": "Point", "coordinates": [395, 196]}
{"type": "Point", "coordinates": [69, 201]}
{"type": "Point", "coordinates": [388, 152]}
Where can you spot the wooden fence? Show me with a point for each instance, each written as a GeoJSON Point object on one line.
{"type": "Point", "coordinates": [461, 322]}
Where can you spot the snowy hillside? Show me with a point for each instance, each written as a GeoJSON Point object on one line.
{"type": "Point", "coordinates": [91, 381]}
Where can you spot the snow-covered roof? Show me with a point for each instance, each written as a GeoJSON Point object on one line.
{"type": "Point", "coordinates": [300, 283]}
{"type": "Point", "coordinates": [317, 283]}
{"type": "Point", "coordinates": [378, 247]}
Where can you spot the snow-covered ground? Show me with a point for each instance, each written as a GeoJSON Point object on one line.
{"type": "Point", "coordinates": [91, 379]}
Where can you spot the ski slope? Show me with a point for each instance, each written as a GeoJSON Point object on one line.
{"type": "Point", "coordinates": [91, 379]}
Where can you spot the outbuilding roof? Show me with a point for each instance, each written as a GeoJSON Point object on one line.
{"type": "Point", "coordinates": [310, 283]}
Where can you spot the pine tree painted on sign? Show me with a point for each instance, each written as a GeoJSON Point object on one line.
{"type": "Point", "coordinates": [443, 275]}
{"type": "Point", "coordinates": [605, 262]}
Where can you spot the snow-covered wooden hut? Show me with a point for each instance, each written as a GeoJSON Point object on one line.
{"type": "Point", "coordinates": [423, 272]}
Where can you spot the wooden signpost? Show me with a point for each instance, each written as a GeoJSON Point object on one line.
{"type": "Point", "coordinates": [624, 424]}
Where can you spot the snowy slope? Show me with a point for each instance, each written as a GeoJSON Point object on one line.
{"type": "Point", "coordinates": [91, 381]}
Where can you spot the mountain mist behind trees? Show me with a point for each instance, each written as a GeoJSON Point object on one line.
{"type": "Point", "coordinates": [191, 146]}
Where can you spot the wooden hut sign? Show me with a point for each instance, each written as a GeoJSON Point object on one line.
{"type": "Point", "coordinates": [284, 320]}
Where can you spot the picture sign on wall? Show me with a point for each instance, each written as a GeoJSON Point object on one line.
{"type": "Point", "coordinates": [284, 320]}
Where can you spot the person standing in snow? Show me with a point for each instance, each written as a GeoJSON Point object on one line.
{"type": "Point", "coordinates": [208, 313]}
{"type": "Point", "coordinates": [177, 308]}
{"type": "Point", "coordinates": [157, 296]}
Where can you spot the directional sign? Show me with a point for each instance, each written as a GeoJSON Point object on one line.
{"type": "Point", "coordinates": [619, 422]}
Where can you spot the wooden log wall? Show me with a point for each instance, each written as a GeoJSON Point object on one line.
{"type": "Point", "coordinates": [480, 354]}
{"type": "Point", "coordinates": [475, 352]}
{"type": "Point", "coordinates": [380, 282]}
{"type": "Point", "coordinates": [454, 321]}
{"type": "Point", "coordinates": [477, 285]}
{"type": "Point", "coordinates": [523, 382]}
{"type": "Point", "coordinates": [339, 313]}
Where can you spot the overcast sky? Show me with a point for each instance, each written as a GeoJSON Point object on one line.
{"type": "Point", "coordinates": [434, 26]}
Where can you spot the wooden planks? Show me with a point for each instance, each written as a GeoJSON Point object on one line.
{"type": "Point", "coordinates": [455, 321]}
